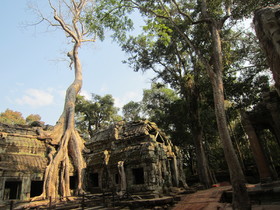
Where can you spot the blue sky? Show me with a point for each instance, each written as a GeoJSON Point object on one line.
{"type": "Point", "coordinates": [35, 73]}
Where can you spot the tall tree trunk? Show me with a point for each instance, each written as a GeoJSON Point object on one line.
{"type": "Point", "coordinates": [262, 165]}
{"type": "Point", "coordinates": [236, 147]}
{"type": "Point", "coordinates": [65, 146]}
{"type": "Point", "coordinates": [202, 162]}
{"type": "Point", "coordinates": [240, 195]}
{"type": "Point", "coordinates": [69, 144]}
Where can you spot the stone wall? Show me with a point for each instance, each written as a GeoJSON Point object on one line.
{"type": "Point", "coordinates": [264, 116]}
{"type": "Point", "coordinates": [131, 157]}
{"type": "Point", "coordinates": [22, 162]}
{"type": "Point", "coordinates": [151, 164]}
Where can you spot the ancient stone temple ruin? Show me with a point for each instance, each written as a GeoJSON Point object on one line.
{"type": "Point", "coordinates": [133, 157]}
{"type": "Point", "coordinates": [22, 162]}
{"type": "Point", "coordinates": [264, 116]}
{"type": "Point", "coordinates": [127, 157]}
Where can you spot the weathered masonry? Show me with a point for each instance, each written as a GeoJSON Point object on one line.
{"type": "Point", "coordinates": [264, 116]}
{"type": "Point", "coordinates": [133, 157]}
{"type": "Point", "coordinates": [22, 162]}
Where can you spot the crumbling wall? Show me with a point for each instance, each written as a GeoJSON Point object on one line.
{"type": "Point", "coordinates": [150, 162]}
{"type": "Point", "coordinates": [22, 161]}
{"type": "Point", "coordinates": [264, 116]}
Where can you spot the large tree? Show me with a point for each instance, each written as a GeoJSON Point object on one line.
{"type": "Point", "coordinates": [64, 142]}
{"type": "Point", "coordinates": [163, 50]}
{"type": "Point", "coordinates": [212, 16]}
{"type": "Point", "coordinates": [215, 67]}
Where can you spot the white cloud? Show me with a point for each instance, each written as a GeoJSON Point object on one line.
{"type": "Point", "coordinates": [86, 94]}
{"type": "Point", "coordinates": [127, 97]}
{"type": "Point", "coordinates": [36, 98]}
{"type": "Point", "coordinates": [104, 88]}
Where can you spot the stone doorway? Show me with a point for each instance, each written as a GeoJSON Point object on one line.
{"type": "Point", "coordinates": [36, 188]}
{"type": "Point", "coordinates": [73, 182]}
{"type": "Point", "coordinates": [138, 176]}
{"type": "Point", "coordinates": [95, 179]}
{"type": "Point", "coordinates": [12, 190]}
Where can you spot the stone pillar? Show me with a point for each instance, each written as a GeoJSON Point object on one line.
{"type": "Point", "coordinates": [272, 105]}
{"type": "Point", "coordinates": [25, 188]}
{"type": "Point", "coordinates": [2, 182]}
{"type": "Point", "coordinates": [262, 165]}
{"type": "Point", "coordinates": [176, 172]}
{"type": "Point", "coordinates": [123, 176]}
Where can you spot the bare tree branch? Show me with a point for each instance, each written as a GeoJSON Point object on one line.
{"type": "Point", "coordinates": [181, 12]}
{"type": "Point", "coordinates": [64, 26]}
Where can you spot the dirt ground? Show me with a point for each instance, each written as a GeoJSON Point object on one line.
{"type": "Point", "coordinates": [210, 200]}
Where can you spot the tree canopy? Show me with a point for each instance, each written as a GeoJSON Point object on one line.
{"type": "Point", "coordinates": [132, 111]}
{"type": "Point", "coordinates": [202, 36]}
{"type": "Point", "coordinates": [95, 114]}
{"type": "Point", "coordinates": [11, 117]}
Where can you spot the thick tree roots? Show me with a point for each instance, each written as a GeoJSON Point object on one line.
{"type": "Point", "coordinates": [62, 156]}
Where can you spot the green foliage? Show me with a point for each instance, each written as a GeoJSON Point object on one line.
{"type": "Point", "coordinates": [112, 15]}
{"type": "Point", "coordinates": [246, 72]}
{"type": "Point", "coordinates": [177, 61]}
{"type": "Point", "coordinates": [243, 9]}
{"type": "Point", "coordinates": [216, 7]}
{"type": "Point", "coordinates": [132, 111]}
{"type": "Point", "coordinates": [158, 30]}
{"type": "Point", "coordinates": [176, 44]}
{"type": "Point", "coordinates": [271, 147]}
{"type": "Point", "coordinates": [11, 117]}
{"type": "Point", "coordinates": [156, 100]}
{"type": "Point", "coordinates": [32, 117]}
{"type": "Point", "coordinates": [163, 106]}
{"type": "Point", "coordinates": [94, 114]}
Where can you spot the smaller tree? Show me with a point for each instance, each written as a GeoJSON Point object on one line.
{"type": "Point", "coordinates": [94, 114]}
{"type": "Point", "coordinates": [157, 100]}
{"type": "Point", "coordinates": [11, 117]}
{"type": "Point", "coordinates": [131, 111]}
{"type": "Point", "coordinates": [163, 106]}
{"type": "Point", "coordinates": [32, 117]}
